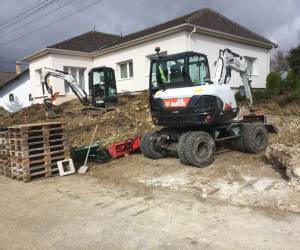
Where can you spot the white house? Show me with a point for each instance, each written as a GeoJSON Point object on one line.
{"type": "Point", "coordinates": [15, 90]}
{"type": "Point", "coordinates": [204, 31]}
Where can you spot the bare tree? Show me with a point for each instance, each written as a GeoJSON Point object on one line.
{"type": "Point", "coordinates": [279, 61]}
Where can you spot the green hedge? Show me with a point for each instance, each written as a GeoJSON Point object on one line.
{"type": "Point", "coordinates": [274, 83]}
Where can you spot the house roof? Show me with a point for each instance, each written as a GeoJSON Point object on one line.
{"type": "Point", "coordinates": [87, 42]}
{"type": "Point", "coordinates": [206, 18]}
{"type": "Point", "coordinates": [7, 77]}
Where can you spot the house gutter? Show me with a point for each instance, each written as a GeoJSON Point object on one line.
{"type": "Point", "coordinates": [172, 30]}
{"type": "Point", "coordinates": [47, 51]}
{"type": "Point", "coordinates": [220, 34]}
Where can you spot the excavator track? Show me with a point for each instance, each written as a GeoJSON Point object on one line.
{"type": "Point", "coordinates": [94, 111]}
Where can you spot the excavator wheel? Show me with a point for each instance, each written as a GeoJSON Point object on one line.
{"type": "Point", "coordinates": [149, 146]}
{"type": "Point", "coordinates": [200, 149]}
{"type": "Point", "coordinates": [254, 138]}
{"type": "Point", "coordinates": [181, 148]}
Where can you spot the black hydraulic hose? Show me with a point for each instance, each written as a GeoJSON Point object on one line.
{"type": "Point", "coordinates": [45, 84]}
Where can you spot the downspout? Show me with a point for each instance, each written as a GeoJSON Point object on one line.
{"type": "Point", "coordinates": [268, 60]}
{"type": "Point", "coordinates": [190, 35]}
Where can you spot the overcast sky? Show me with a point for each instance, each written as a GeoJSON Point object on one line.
{"type": "Point", "coordinates": [277, 20]}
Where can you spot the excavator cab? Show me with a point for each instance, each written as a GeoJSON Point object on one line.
{"type": "Point", "coordinates": [103, 89]}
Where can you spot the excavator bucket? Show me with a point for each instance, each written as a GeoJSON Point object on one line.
{"type": "Point", "coordinates": [50, 113]}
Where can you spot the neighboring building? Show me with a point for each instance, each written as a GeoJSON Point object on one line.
{"type": "Point", "coordinates": [15, 90]}
{"type": "Point", "coordinates": [130, 55]}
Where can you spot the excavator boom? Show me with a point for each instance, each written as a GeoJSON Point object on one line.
{"type": "Point", "coordinates": [69, 79]}
{"type": "Point", "coordinates": [102, 85]}
{"type": "Point", "coordinates": [229, 61]}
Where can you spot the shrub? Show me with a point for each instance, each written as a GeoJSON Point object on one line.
{"type": "Point", "coordinates": [274, 83]}
{"type": "Point", "coordinates": [259, 95]}
{"type": "Point", "coordinates": [239, 98]}
{"type": "Point", "coordinates": [283, 85]}
{"type": "Point", "coordinates": [292, 81]}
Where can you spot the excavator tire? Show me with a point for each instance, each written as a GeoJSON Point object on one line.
{"type": "Point", "coordinates": [149, 147]}
{"type": "Point", "coordinates": [200, 149]}
{"type": "Point", "coordinates": [254, 138]}
{"type": "Point", "coordinates": [181, 148]}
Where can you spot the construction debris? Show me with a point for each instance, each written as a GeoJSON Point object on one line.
{"type": "Point", "coordinates": [66, 167]}
{"type": "Point", "coordinates": [286, 157]}
{"type": "Point", "coordinates": [35, 149]}
{"type": "Point", "coordinates": [131, 117]}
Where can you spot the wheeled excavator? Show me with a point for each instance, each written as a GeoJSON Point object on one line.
{"type": "Point", "coordinates": [197, 113]}
{"type": "Point", "coordinates": [102, 87]}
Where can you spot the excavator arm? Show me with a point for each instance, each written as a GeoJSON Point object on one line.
{"type": "Point", "coordinates": [69, 79]}
{"type": "Point", "coordinates": [229, 61]}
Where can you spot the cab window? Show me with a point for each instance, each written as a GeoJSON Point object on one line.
{"type": "Point", "coordinates": [198, 70]}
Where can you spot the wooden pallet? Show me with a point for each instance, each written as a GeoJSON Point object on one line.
{"type": "Point", "coordinates": [35, 150]}
{"type": "Point", "coordinates": [4, 154]}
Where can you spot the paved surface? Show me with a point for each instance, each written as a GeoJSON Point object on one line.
{"type": "Point", "coordinates": [97, 211]}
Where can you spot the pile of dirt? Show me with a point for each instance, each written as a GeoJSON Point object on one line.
{"type": "Point", "coordinates": [286, 157]}
{"type": "Point", "coordinates": [285, 117]}
{"type": "Point", "coordinates": [132, 117]}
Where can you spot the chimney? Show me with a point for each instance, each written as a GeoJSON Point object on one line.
{"type": "Point", "coordinates": [18, 68]}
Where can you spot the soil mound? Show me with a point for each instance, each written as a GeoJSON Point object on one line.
{"type": "Point", "coordinates": [131, 117]}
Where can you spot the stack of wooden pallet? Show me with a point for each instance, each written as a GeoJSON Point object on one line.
{"type": "Point", "coordinates": [35, 150]}
{"type": "Point", "coordinates": [4, 154]}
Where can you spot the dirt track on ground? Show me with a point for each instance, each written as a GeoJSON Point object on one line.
{"type": "Point", "coordinates": [137, 203]}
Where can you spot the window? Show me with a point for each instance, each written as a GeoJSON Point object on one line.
{"type": "Point", "coordinates": [179, 71]}
{"type": "Point", "coordinates": [126, 70]}
{"type": "Point", "coordinates": [11, 97]}
{"type": "Point", "coordinates": [198, 70]}
{"type": "Point", "coordinates": [78, 73]}
{"type": "Point", "coordinates": [30, 97]}
{"type": "Point", "coordinates": [170, 72]}
{"type": "Point", "coordinates": [250, 61]}
{"type": "Point", "coordinates": [38, 74]}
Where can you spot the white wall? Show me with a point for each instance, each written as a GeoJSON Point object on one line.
{"type": "Point", "coordinates": [211, 45]}
{"type": "Point", "coordinates": [20, 88]}
{"type": "Point", "coordinates": [139, 54]}
{"type": "Point", "coordinates": [141, 64]}
{"type": "Point", "coordinates": [38, 64]}
{"type": "Point", "coordinates": [56, 61]}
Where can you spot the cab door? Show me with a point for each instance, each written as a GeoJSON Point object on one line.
{"type": "Point", "coordinates": [111, 96]}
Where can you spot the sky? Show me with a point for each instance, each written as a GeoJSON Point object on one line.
{"type": "Point", "coordinates": [277, 20]}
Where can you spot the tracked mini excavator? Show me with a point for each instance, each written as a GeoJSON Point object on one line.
{"type": "Point", "coordinates": [102, 86]}
{"type": "Point", "coordinates": [197, 113]}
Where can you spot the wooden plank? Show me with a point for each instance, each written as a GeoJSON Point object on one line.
{"type": "Point", "coordinates": [36, 124]}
